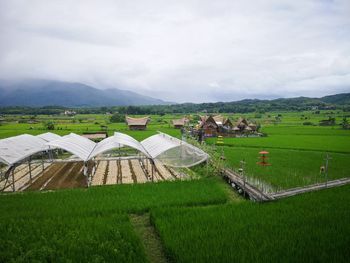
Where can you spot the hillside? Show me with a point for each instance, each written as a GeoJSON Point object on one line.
{"type": "Point", "coordinates": [38, 93]}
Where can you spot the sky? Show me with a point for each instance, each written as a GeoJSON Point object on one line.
{"type": "Point", "coordinates": [182, 51]}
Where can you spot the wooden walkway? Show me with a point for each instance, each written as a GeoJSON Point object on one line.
{"type": "Point", "coordinates": [257, 195]}
{"type": "Point", "coordinates": [310, 188]}
{"type": "Point", "coordinates": [253, 192]}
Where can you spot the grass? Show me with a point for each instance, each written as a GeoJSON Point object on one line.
{"type": "Point", "coordinates": [289, 168]}
{"type": "Point", "coordinates": [199, 220]}
{"type": "Point", "coordinates": [308, 228]}
{"type": "Point", "coordinates": [137, 198]}
{"type": "Point", "coordinates": [77, 238]}
{"type": "Point", "coordinates": [90, 225]}
{"type": "Point", "coordinates": [323, 143]}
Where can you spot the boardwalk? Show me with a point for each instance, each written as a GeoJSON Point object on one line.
{"type": "Point", "coordinates": [257, 195]}
{"type": "Point", "coordinates": [310, 188]}
{"type": "Point", "coordinates": [253, 192]}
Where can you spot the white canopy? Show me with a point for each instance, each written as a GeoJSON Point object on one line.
{"type": "Point", "coordinates": [130, 141]}
{"type": "Point", "coordinates": [17, 148]}
{"type": "Point", "coordinates": [168, 149]}
{"type": "Point", "coordinates": [105, 145]}
{"type": "Point", "coordinates": [76, 144]}
{"type": "Point", "coordinates": [172, 151]}
{"type": "Point", "coordinates": [49, 136]}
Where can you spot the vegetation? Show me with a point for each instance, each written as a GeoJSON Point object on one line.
{"type": "Point", "coordinates": [338, 101]}
{"type": "Point", "coordinates": [199, 220]}
{"type": "Point", "coordinates": [312, 227]}
{"type": "Point", "coordinates": [90, 224]}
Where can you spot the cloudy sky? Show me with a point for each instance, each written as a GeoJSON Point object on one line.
{"type": "Point", "coordinates": [182, 50]}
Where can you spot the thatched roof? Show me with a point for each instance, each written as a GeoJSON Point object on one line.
{"type": "Point", "coordinates": [94, 136]}
{"type": "Point", "coordinates": [137, 121]}
{"type": "Point", "coordinates": [180, 122]}
{"type": "Point", "coordinates": [242, 122]}
{"type": "Point", "coordinates": [207, 120]}
{"type": "Point", "coordinates": [219, 119]}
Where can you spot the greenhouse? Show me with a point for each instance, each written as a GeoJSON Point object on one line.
{"type": "Point", "coordinates": [117, 159]}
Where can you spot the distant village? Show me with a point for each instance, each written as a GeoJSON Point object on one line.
{"type": "Point", "coordinates": [207, 126]}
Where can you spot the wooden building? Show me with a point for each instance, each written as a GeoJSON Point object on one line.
{"type": "Point", "coordinates": [96, 136]}
{"type": "Point", "coordinates": [179, 123]}
{"type": "Point", "coordinates": [213, 126]}
{"type": "Point", "coordinates": [242, 126]}
{"type": "Point", "coordinates": [209, 126]}
{"type": "Point", "coordinates": [137, 123]}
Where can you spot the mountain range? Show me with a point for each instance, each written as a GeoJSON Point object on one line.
{"type": "Point", "coordinates": [38, 93]}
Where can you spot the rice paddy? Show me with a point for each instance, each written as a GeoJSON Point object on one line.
{"type": "Point", "coordinates": [200, 220]}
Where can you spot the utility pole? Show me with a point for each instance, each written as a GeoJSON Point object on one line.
{"type": "Point", "coordinates": [326, 168]}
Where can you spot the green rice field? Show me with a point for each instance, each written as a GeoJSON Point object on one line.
{"type": "Point", "coordinates": [313, 227]}
{"type": "Point", "coordinates": [198, 220]}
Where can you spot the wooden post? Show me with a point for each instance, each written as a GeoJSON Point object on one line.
{"type": "Point", "coordinates": [326, 169]}
{"type": "Point", "coordinates": [30, 169]}
{"type": "Point", "coordinates": [42, 162]}
{"type": "Point", "coordinates": [152, 170]}
{"type": "Point", "coordinates": [85, 171]}
{"type": "Point", "coordinates": [13, 179]}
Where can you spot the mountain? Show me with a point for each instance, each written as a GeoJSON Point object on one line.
{"type": "Point", "coordinates": [341, 99]}
{"type": "Point", "coordinates": [37, 93]}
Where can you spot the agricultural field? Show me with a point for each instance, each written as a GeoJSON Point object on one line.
{"type": "Point", "coordinates": [90, 225]}
{"type": "Point", "coordinates": [313, 227]}
{"type": "Point", "coordinates": [200, 220]}
{"type": "Point", "coordinates": [297, 151]}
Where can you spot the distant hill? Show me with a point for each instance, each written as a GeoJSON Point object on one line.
{"type": "Point", "coordinates": [38, 93]}
{"type": "Point", "coordinates": [341, 99]}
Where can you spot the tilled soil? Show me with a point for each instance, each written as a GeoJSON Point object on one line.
{"type": "Point", "coordinates": [59, 176]}
{"type": "Point", "coordinates": [70, 177]}
{"type": "Point", "coordinates": [48, 174]}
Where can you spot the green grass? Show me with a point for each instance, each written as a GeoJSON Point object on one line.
{"type": "Point", "coordinates": [80, 238]}
{"type": "Point", "coordinates": [323, 143]}
{"type": "Point", "coordinates": [312, 227]}
{"type": "Point", "coordinates": [289, 168]}
{"type": "Point", "coordinates": [90, 225]}
{"type": "Point", "coordinates": [137, 198]}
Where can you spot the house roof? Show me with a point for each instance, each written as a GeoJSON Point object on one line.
{"type": "Point", "coordinates": [137, 121]}
{"type": "Point", "coordinates": [219, 119]}
{"type": "Point", "coordinates": [180, 122]}
{"type": "Point", "coordinates": [207, 119]}
{"type": "Point", "coordinates": [93, 136]}
{"type": "Point", "coordinates": [242, 122]}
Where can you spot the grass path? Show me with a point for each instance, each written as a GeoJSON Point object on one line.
{"type": "Point", "coordinates": [149, 238]}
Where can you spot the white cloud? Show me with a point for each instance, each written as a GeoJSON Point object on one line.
{"type": "Point", "coordinates": [182, 50]}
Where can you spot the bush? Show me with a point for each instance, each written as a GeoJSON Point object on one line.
{"type": "Point", "coordinates": [116, 117]}
{"type": "Point", "coordinates": [50, 125]}
{"type": "Point", "coordinates": [308, 123]}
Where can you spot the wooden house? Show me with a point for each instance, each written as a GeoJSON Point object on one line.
{"type": "Point", "coordinates": [96, 136]}
{"type": "Point", "coordinates": [242, 126]}
{"type": "Point", "coordinates": [179, 123]}
{"type": "Point", "coordinates": [137, 123]}
{"type": "Point", "coordinates": [209, 126]}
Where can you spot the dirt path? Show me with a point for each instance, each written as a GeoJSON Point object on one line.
{"type": "Point", "coordinates": [149, 238]}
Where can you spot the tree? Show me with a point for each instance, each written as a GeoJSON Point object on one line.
{"type": "Point", "coordinates": [116, 117]}
{"type": "Point", "coordinates": [49, 125]}
{"type": "Point", "coordinates": [345, 123]}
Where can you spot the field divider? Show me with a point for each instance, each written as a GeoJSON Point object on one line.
{"type": "Point", "coordinates": [149, 237]}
